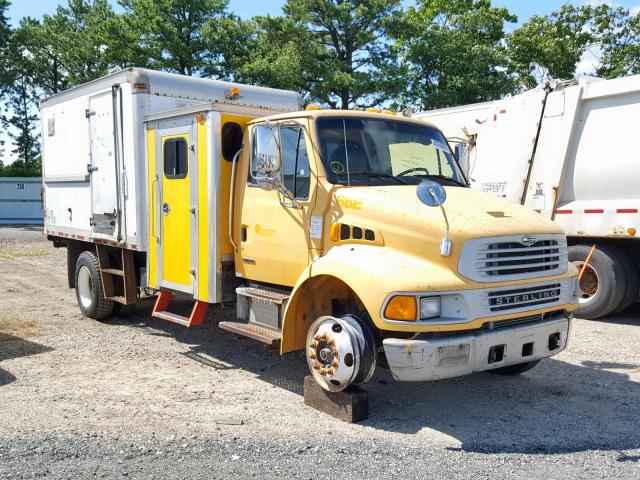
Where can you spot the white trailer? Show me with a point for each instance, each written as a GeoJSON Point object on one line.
{"type": "Point", "coordinates": [562, 149]}
{"type": "Point", "coordinates": [95, 168]}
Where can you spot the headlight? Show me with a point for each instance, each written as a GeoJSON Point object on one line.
{"type": "Point", "coordinates": [429, 307]}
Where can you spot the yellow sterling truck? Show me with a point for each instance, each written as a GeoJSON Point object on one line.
{"type": "Point", "coordinates": [350, 235]}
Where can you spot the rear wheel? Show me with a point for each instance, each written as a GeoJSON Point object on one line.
{"type": "Point", "coordinates": [341, 351]}
{"type": "Point", "coordinates": [89, 293]}
{"type": "Point", "coordinates": [631, 274]}
{"type": "Point", "coordinates": [515, 369]}
{"type": "Point", "coordinates": [603, 284]}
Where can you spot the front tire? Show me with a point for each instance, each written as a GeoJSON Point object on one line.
{"type": "Point", "coordinates": [341, 351]}
{"type": "Point", "coordinates": [89, 292]}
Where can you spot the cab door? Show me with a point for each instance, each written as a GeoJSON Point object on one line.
{"type": "Point", "coordinates": [176, 167]}
{"type": "Point", "coordinates": [275, 228]}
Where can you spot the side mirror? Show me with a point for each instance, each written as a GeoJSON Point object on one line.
{"type": "Point", "coordinates": [267, 162]}
{"type": "Point", "coordinates": [431, 193]}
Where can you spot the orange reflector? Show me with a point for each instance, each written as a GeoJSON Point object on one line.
{"type": "Point", "coordinates": [313, 107]}
{"type": "Point", "coordinates": [199, 117]}
{"type": "Point", "coordinates": [372, 109]}
{"type": "Point", "coordinates": [139, 86]}
{"type": "Point", "coordinates": [235, 91]}
{"type": "Point", "coordinates": [631, 231]}
{"type": "Point", "coordinates": [402, 307]}
{"type": "Point", "coordinates": [335, 232]}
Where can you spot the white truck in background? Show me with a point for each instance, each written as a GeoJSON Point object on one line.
{"type": "Point", "coordinates": [564, 149]}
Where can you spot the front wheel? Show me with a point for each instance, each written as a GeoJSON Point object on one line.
{"type": "Point", "coordinates": [89, 293]}
{"type": "Point", "coordinates": [341, 352]}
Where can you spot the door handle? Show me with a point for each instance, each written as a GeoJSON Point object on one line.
{"type": "Point", "coordinates": [166, 209]}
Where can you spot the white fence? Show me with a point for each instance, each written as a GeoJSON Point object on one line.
{"type": "Point", "coordinates": [21, 201]}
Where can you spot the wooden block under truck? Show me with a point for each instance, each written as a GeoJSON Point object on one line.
{"type": "Point", "coordinates": [350, 235]}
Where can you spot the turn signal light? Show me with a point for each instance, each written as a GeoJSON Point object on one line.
{"type": "Point", "coordinates": [335, 232]}
{"type": "Point", "coordinates": [402, 307]}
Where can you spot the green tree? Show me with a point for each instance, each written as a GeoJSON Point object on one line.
{"type": "Point", "coordinates": [338, 48]}
{"type": "Point", "coordinates": [619, 36]}
{"type": "Point", "coordinates": [5, 79]}
{"type": "Point", "coordinates": [70, 47]}
{"type": "Point", "coordinates": [279, 53]}
{"type": "Point", "coordinates": [21, 121]}
{"type": "Point", "coordinates": [551, 46]}
{"type": "Point", "coordinates": [5, 35]}
{"type": "Point", "coordinates": [451, 53]}
{"type": "Point", "coordinates": [183, 36]}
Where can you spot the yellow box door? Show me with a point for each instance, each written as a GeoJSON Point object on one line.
{"type": "Point", "coordinates": [175, 212]}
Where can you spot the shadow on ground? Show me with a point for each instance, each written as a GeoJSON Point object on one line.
{"type": "Point", "coordinates": [12, 346]}
{"type": "Point", "coordinates": [557, 407]}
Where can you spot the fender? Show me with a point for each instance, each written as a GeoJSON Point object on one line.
{"type": "Point", "coordinates": [366, 271]}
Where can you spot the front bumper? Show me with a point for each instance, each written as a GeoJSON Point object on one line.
{"type": "Point", "coordinates": [421, 359]}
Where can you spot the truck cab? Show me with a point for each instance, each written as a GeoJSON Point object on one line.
{"type": "Point", "coordinates": [361, 227]}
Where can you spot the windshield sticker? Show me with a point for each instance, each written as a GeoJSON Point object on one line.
{"type": "Point", "coordinates": [418, 158]}
{"type": "Point", "coordinates": [336, 167]}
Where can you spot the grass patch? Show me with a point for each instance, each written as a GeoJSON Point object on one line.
{"type": "Point", "coordinates": [13, 254]}
{"type": "Point", "coordinates": [10, 327]}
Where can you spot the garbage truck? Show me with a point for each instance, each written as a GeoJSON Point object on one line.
{"type": "Point", "coordinates": [561, 149]}
{"type": "Point", "coordinates": [350, 235]}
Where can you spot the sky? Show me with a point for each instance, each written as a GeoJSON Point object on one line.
{"type": "Point", "coordinates": [249, 8]}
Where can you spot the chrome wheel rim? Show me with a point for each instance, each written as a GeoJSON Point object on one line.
{"type": "Point", "coordinates": [85, 287]}
{"type": "Point", "coordinates": [339, 352]}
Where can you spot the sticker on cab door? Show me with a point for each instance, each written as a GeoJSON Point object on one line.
{"type": "Point", "coordinates": [315, 229]}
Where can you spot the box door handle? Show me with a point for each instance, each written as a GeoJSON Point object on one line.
{"type": "Point", "coordinates": [165, 208]}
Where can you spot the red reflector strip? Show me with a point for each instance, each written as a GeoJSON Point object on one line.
{"type": "Point", "coordinates": [627, 210]}
{"type": "Point", "coordinates": [594, 210]}
{"type": "Point", "coordinates": [503, 111]}
{"type": "Point", "coordinates": [564, 211]}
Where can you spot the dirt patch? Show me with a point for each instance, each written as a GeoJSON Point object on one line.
{"type": "Point", "coordinates": [129, 393]}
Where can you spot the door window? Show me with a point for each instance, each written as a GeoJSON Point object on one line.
{"type": "Point", "coordinates": [295, 162]}
{"type": "Point", "coordinates": [175, 158]}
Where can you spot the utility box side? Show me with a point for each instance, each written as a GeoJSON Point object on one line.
{"type": "Point", "coordinates": [65, 161]}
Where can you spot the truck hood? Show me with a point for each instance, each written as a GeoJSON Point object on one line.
{"type": "Point", "coordinates": [405, 223]}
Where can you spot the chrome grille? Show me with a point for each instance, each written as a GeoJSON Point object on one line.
{"type": "Point", "coordinates": [500, 259]}
{"type": "Point", "coordinates": [523, 297]}
{"type": "Point", "coordinates": [511, 258]}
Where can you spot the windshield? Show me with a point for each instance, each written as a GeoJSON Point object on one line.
{"type": "Point", "coordinates": [364, 151]}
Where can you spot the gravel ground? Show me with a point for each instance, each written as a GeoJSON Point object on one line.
{"type": "Point", "coordinates": [137, 397]}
